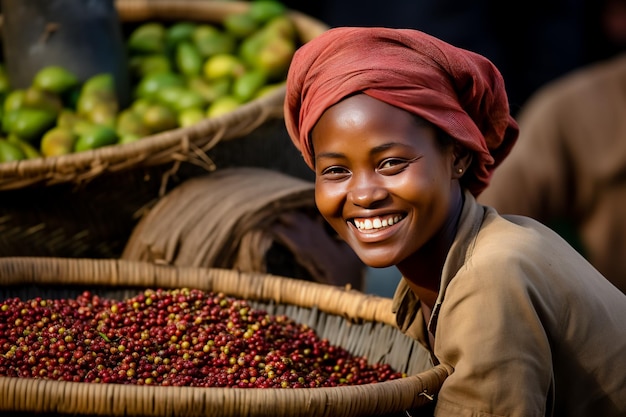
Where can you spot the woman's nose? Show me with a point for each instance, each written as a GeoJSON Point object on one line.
{"type": "Point", "coordinates": [368, 195]}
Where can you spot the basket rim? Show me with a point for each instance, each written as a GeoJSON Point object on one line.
{"type": "Point", "coordinates": [176, 145]}
{"type": "Point", "coordinates": [184, 144]}
{"type": "Point", "coordinates": [67, 397]}
{"type": "Point", "coordinates": [346, 302]}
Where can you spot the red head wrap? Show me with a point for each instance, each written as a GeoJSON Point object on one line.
{"type": "Point", "coordinates": [459, 91]}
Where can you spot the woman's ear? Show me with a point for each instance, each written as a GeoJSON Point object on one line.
{"type": "Point", "coordinates": [462, 159]}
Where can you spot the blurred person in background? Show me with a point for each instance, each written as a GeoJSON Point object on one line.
{"type": "Point", "coordinates": [568, 169]}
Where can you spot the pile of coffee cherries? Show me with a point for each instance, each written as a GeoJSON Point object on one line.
{"type": "Point", "coordinates": [172, 337]}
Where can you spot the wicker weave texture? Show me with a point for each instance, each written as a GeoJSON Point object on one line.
{"type": "Point", "coordinates": [361, 323]}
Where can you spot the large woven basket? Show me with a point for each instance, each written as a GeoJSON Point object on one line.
{"type": "Point", "coordinates": [361, 323]}
{"type": "Point", "coordinates": [85, 204]}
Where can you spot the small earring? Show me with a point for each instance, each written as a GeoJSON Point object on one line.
{"type": "Point", "coordinates": [459, 170]}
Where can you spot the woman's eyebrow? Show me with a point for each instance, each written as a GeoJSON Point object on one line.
{"type": "Point", "coordinates": [334, 155]}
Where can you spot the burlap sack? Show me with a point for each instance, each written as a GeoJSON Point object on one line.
{"type": "Point", "coordinates": [249, 219]}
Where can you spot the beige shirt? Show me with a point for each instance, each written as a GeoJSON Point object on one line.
{"type": "Point", "coordinates": [529, 326]}
{"type": "Point", "coordinates": [569, 163]}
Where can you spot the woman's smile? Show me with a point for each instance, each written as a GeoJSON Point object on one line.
{"type": "Point", "coordinates": [376, 223]}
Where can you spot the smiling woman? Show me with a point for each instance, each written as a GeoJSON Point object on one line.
{"type": "Point", "coordinates": [366, 153]}
{"type": "Point", "coordinates": [403, 132]}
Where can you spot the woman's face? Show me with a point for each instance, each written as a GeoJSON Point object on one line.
{"type": "Point", "coordinates": [382, 180]}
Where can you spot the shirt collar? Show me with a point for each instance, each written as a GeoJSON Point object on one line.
{"type": "Point", "coordinates": [406, 306]}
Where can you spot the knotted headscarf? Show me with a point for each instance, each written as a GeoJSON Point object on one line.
{"type": "Point", "coordinates": [459, 91]}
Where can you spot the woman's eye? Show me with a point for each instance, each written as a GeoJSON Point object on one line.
{"type": "Point", "coordinates": [334, 171]}
{"type": "Point", "coordinates": [392, 166]}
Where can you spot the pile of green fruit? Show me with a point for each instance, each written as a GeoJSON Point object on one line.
{"type": "Point", "coordinates": [181, 72]}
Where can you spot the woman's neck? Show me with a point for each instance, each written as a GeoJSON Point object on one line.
{"type": "Point", "coordinates": [423, 269]}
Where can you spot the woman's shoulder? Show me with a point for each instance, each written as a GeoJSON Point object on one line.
{"type": "Point", "coordinates": [515, 236]}
{"type": "Point", "coordinates": [521, 248]}
{"type": "Point", "coordinates": [519, 229]}
{"type": "Point", "coordinates": [490, 245]}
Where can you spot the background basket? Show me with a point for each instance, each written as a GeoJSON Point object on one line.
{"type": "Point", "coordinates": [248, 219]}
{"type": "Point", "coordinates": [361, 323]}
{"type": "Point", "coordinates": [85, 204]}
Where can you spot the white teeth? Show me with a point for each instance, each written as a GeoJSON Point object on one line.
{"type": "Point", "coordinates": [376, 223]}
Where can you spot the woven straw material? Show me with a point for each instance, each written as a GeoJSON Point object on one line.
{"type": "Point", "coordinates": [361, 323]}
{"type": "Point", "coordinates": [236, 218]}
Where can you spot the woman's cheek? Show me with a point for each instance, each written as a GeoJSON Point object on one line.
{"type": "Point", "coordinates": [329, 200]}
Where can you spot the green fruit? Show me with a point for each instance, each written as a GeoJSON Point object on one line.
{"type": "Point", "coordinates": [190, 116]}
{"type": "Point", "coordinates": [268, 89]}
{"type": "Point", "coordinates": [88, 101]}
{"type": "Point", "coordinates": [268, 52]}
{"type": "Point", "coordinates": [142, 65]}
{"type": "Point", "coordinates": [189, 99]}
{"type": "Point", "coordinates": [147, 38]}
{"type": "Point", "coordinates": [246, 86]}
{"type": "Point", "coordinates": [223, 65]}
{"type": "Point", "coordinates": [204, 31]}
{"type": "Point", "coordinates": [282, 26]}
{"type": "Point", "coordinates": [68, 118]}
{"type": "Point", "coordinates": [240, 25]}
{"type": "Point", "coordinates": [8, 120]}
{"type": "Point", "coordinates": [264, 10]}
{"type": "Point", "coordinates": [58, 141]}
{"type": "Point", "coordinates": [180, 98]}
{"type": "Point", "coordinates": [10, 152]}
{"type": "Point", "coordinates": [169, 95]}
{"type": "Point", "coordinates": [151, 83]}
{"type": "Point", "coordinates": [82, 126]}
{"type": "Point", "coordinates": [188, 59]}
{"type": "Point", "coordinates": [210, 90]}
{"type": "Point", "coordinates": [29, 150]}
{"type": "Point", "coordinates": [158, 118]}
{"type": "Point", "coordinates": [178, 32]}
{"type": "Point", "coordinates": [36, 98]}
{"type": "Point", "coordinates": [29, 124]}
{"type": "Point", "coordinates": [102, 82]}
{"type": "Point", "coordinates": [103, 113]}
{"type": "Point", "coordinates": [130, 122]}
{"type": "Point", "coordinates": [210, 41]}
{"type": "Point", "coordinates": [250, 46]}
{"type": "Point", "coordinates": [55, 79]}
{"type": "Point", "coordinates": [128, 138]}
{"type": "Point", "coordinates": [96, 137]}
{"type": "Point", "coordinates": [223, 105]}
{"type": "Point", "coordinates": [140, 105]}
{"type": "Point", "coordinates": [14, 100]}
